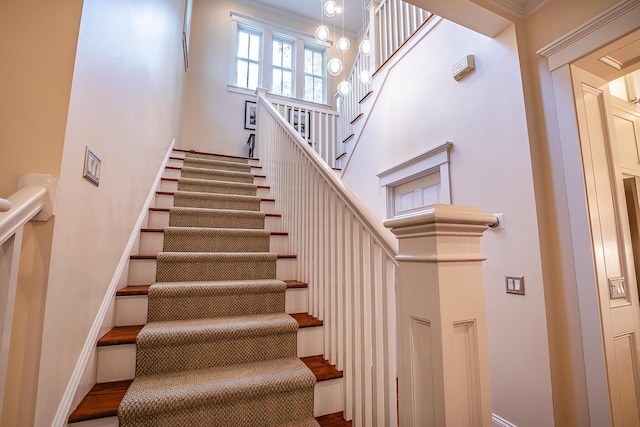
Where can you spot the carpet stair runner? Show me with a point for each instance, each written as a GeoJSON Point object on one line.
{"type": "Point", "coordinates": [218, 348]}
{"type": "Point", "coordinates": [236, 370]}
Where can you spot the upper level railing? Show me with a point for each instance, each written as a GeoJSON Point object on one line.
{"type": "Point", "coordinates": [318, 126]}
{"type": "Point", "coordinates": [34, 200]}
{"type": "Point", "coordinates": [391, 24]}
{"type": "Point", "coordinates": [348, 259]}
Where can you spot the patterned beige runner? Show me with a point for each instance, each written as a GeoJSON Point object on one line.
{"type": "Point", "coordinates": [215, 157]}
{"type": "Point", "coordinates": [218, 349]}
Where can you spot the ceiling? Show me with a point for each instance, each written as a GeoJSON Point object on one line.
{"type": "Point", "coordinates": [311, 10]}
{"type": "Point", "coordinates": [615, 60]}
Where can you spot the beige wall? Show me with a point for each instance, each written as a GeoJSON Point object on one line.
{"type": "Point", "coordinates": [37, 45]}
{"type": "Point", "coordinates": [125, 104]}
{"type": "Point", "coordinates": [214, 117]}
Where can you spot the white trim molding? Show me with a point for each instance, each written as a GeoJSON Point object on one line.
{"type": "Point", "coordinates": [620, 18]}
{"type": "Point", "coordinates": [432, 161]}
{"type": "Point", "coordinates": [62, 414]}
{"type": "Point", "coordinates": [498, 421]}
{"type": "Point", "coordinates": [519, 8]}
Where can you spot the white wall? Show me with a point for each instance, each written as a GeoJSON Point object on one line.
{"type": "Point", "coordinates": [213, 118]}
{"type": "Point", "coordinates": [125, 104]}
{"type": "Point", "coordinates": [422, 106]}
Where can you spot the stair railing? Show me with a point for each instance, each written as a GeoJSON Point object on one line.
{"type": "Point", "coordinates": [391, 24]}
{"type": "Point", "coordinates": [318, 126]}
{"type": "Point", "coordinates": [34, 200]}
{"type": "Point", "coordinates": [348, 259]}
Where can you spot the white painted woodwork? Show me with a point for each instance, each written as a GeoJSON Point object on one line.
{"type": "Point", "coordinates": [347, 258]}
{"type": "Point", "coordinates": [611, 240]}
{"type": "Point", "coordinates": [151, 243]}
{"type": "Point", "coordinates": [626, 122]}
{"type": "Point", "coordinates": [444, 368]}
{"type": "Point", "coordinates": [34, 201]}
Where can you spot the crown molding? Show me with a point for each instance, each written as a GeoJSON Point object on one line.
{"type": "Point", "coordinates": [519, 8]}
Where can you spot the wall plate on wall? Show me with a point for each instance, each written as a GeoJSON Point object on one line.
{"type": "Point", "coordinates": [514, 284]}
{"type": "Point", "coordinates": [92, 165]}
{"type": "Point", "coordinates": [617, 288]}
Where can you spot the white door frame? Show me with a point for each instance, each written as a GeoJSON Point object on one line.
{"type": "Point", "coordinates": [613, 23]}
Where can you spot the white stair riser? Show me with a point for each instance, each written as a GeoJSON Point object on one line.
{"type": "Point", "coordinates": [118, 362]}
{"type": "Point", "coordinates": [132, 310]}
{"type": "Point", "coordinates": [173, 186]}
{"type": "Point", "coordinates": [143, 271]}
{"type": "Point", "coordinates": [166, 201]}
{"type": "Point", "coordinates": [327, 399]}
{"type": "Point", "coordinates": [151, 243]}
{"type": "Point", "coordinates": [160, 219]}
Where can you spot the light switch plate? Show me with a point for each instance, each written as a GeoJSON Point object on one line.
{"type": "Point", "coordinates": [617, 288]}
{"type": "Point", "coordinates": [92, 165]}
{"type": "Point", "coordinates": [514, 284]}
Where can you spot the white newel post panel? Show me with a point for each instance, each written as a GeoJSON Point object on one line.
{"type": "Point", "coordinates": [443, 356]}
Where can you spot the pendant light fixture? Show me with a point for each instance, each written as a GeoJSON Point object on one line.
{"type": "Point", "coordinates": [330, 8]}
{"type": "Point", "coordinates": [334, 67]}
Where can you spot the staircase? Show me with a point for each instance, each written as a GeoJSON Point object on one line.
{"type": "Point", "coordinates": [202, 333]}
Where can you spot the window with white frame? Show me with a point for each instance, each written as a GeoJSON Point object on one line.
{"type": "Point", "coordinates": [288, 62]}
{"type": "Point", "coordinates": [418, 183]}
{"type": "Point", "coordinates": [248, 58]}
{"type": "Point", "coordinates": [314, 75]}
{"type": "Point", "coordinates": [282, 67]}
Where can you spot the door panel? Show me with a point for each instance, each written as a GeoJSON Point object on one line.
{"type": "Point", "coordinates": [611, 239]}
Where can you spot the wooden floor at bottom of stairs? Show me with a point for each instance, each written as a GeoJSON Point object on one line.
{"type": "Point", "coordinates": [103, 399]}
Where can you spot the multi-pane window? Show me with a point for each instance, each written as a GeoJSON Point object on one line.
{"type": "Point", "coordinates": [248, 59]}
{"type": "Point", "coordinates": [282, 68]}
{"type": "Point", "coordinates": [314, 75]}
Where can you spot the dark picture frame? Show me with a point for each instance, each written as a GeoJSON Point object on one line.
{"type": "Point", "coordinates": [304, 120]}
{"type": "Point", "coordinates": [250, 115]}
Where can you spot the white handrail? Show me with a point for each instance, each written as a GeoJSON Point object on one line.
{"type": "Point", "coordinates": [26, 202]}
{"type": "Point", "coordinates": [35, 199]}
{"type": "Point", "coordinates": [372, 222]}
{"type": "Point", "coordinates": [348, 260]}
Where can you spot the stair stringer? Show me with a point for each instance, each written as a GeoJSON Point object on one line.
{"type": "Point", "coordinates": [85, 372]}
{"type": "Point", "coordinates": [377, 86]}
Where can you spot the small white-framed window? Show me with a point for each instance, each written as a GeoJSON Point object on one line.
{"type": "Point", "coordinates": [248, 55]}
{"type": "Point", "coordinates": [282, 75]}
{"type": "Point", "coordinates": [314, 73]}
{"type": "Point", "coordinates": [416, 184]}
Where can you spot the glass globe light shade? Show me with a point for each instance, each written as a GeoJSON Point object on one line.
{"type": "Point", "coordinates": [334, 66]}
{"type": "Point", "coordinates": [365, 77]}
{"type": "Point", "coordinates": [343, 44]}
{"type": "Point", "coordinates": [322, 33]}
{"type": "Point", "coordinates": [344, 88]}
{"type": "Point", "coordinates": [330, 8]}
{"type": "Point", "coordinates": [366, 47]}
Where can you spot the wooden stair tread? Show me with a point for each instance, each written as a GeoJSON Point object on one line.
{"type": "Point", "coordinates": [347, 139]}
{"type": "Point", "coordinates": [144, 289]}
{"type": "Point", "coordinates": [173, 193]}
{"type": "Point", "coordinates": [321, 368]}
{"type": "Point", "coordinates": [104, 399]}
{"type": "Point", "coordinates": [120, 335]}
{"type": "Point", "coordinates": [168, 209]}
{"type": "Point", "coordinates": [333, 420]}
{"type": "Point", "coordinates": [293, 284]}
{"type": "Point", "coordinates": [101, 401]}
{"type": "Point", "coordinates": [358, 117]}
{"type": "Point", "coordinates": [133, 290]}
{"type": "Point", "coordinates": [367, 95]}
{"type": "Point", "coordinates": [161, 230]}
{"type": "Point", "coordinates": [305, 320]}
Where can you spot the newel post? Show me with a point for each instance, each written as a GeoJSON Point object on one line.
{"type": "Point", "coordinates": [443, 371]}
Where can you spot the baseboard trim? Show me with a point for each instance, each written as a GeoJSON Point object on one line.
{"type": "Point", "coordinates": [501, 422]}
{"type": "Point", "coordinates": [62, 414]}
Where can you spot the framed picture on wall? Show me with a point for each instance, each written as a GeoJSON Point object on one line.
{"type": "Point", "coordinates": [301, 122]}
{"type": "Point", "coordinates": [250, 114]}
